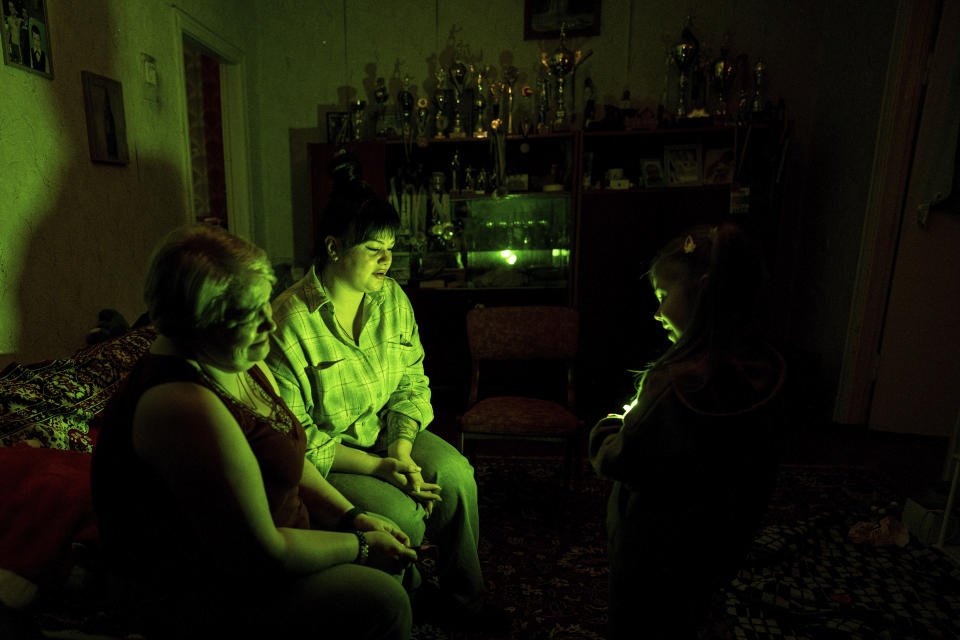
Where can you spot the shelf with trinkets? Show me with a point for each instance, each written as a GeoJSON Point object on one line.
{"type": "Point", "coordinates": [490, 213]}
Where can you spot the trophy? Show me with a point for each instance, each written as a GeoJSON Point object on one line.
{"type": "Point", "coordinates": [722, 76]}
{"type": "Point", "coordinates": [479, 105]}
{"type": "Point", "coordinates": [684, 56]}
{"type": "Point", "coordinates": [759, 79]}
{"type": "Point", "coordinates": [356, 108]}
{"type": "Point", "coordinates": [561, 63]}
{"type": "Point", "coordinates": [543, 104]}
{"type": "Point", "coordinates": [405, 105]}
{"type": "Point", "coordinates": [423, 112]}
{"type": "Point", "coordinates": [440, 100]}
{"type": "Point", "coordinates": [526, 92]}
{"type": "Point", "coordinates": [458, 76]}
{"type": "Point", "coordinates": [510, 75]}
{"type": "Point", "coordinates": [380, 96]}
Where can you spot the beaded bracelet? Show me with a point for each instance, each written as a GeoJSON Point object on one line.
{"type": "Point", "coordinates": [363, 552]}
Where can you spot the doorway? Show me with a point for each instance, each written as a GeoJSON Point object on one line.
{"type": "Point", "coordinates": [213, 100]}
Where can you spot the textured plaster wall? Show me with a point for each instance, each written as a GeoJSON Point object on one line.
{"type": "Point", "coordinates": [75, 236]}
{"type": "Point", "coordinates": [826, 59]}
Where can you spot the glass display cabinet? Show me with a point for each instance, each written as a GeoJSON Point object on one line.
{"type": "Point", "coordinates": [518, 240]}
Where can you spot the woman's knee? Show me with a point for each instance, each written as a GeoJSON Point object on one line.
{"type": "Point", "coordinates": [368, 603]}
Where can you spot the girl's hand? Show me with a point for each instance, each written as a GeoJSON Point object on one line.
{"type": "Point", "coordinates": [387, 553]}
{"type": "Point", "coordinates": [368, 523]}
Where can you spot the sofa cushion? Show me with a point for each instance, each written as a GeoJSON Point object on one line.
{"type": "Point", "coordinates": [52, 403]}
{"type": "Point", "coordinates": [45, 506]}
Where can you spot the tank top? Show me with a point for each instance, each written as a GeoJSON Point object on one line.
{"type": "Point", "coordinates": [143, 531]}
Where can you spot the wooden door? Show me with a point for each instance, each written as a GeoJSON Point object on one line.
{"type": "Point", "coordinates": [918, 377]}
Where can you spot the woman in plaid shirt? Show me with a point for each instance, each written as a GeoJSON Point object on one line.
{"type": "Point", "coordinates": [348, 361]}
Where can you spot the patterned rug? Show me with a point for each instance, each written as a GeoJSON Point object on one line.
{"type": "Point", "coordinates": [542, 551]}
{"type": "Point", "coordinates": [543, 559]}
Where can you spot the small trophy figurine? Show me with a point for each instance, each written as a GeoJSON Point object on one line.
{"type": "Point", "coordinates": [561, 63]}
{"type": "Point", "coordinates": [684, 56]}
{"type": "Point", "coordinates": [458, 76]}
{"type": "Point", "coordinates": [723, 73]}
{"type": "Point", "coordinates": [440, 100]}
{"type": "Point", "coordinates": [357, 108]}
{"type": "Point", "coordinates": [479, 106]}
{"type": "Point", "coordinates": [380, 96]}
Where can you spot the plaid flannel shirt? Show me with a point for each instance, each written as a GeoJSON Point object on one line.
{"type": "Point", "coordinates": [342, 392]}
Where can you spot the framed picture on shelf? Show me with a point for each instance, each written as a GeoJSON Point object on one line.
{"type": "Point", "coordinates": [651, 173]}
{"type": "Point", "coordinates": [542, 19]}
{"type": "Point", "coordinates": [106, 127]}
{"type": "Point", "coordinates": [683, 165]}
{"type": "Point", "coordinates": [718, 166]}
{"type": "Point", "coordinates": [338, 126]}
{"type": "Point", "coordinates": [25, 37]}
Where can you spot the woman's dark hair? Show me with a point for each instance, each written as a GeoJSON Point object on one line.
{"type": "Point", "coordinates": [726, 305]}
{"type": "Point", "coordinates": [353, 214]}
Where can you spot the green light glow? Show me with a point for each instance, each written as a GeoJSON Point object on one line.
{"type": "Point", "coordinates": [509, 256]}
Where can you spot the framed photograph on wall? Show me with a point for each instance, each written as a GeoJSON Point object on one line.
{"type": "Point", "coordinates": [106, 128]}
{"type": "Point", "coordinates": [542, 19]}
{"type": "Point", "coordinates": [25, 36]}
{"type": "Point", "coordinates": [683, 165]}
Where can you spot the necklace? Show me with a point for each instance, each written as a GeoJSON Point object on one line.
{"type": "Point", "coordinates": [247, 393]}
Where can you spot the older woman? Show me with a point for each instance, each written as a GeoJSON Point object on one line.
{"type": "Point", "coordinates": [348, 360]}
{"type": "Point", "coordinates": [199, 478]}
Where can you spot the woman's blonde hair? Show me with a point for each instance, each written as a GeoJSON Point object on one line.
{"type": "Point", "coordinates": [196, 274]}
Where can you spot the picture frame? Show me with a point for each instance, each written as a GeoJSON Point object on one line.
{"type": "Point", "coordinates": [338, 126]}
{"type": "Point", "coordinates": [683, 165]}
{"type": "Point", "coordinates": [651, 173]}
{"type": "Point", "coordinates": [718, 166]}
{"type": "Point", "coordinates": [106, 126]}
{"type": "Point", "coordinates": [25, 36]}
{"type": "Point", "coordinates": [542, 19]}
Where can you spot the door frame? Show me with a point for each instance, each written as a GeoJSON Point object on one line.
{"type": "Point", "coordinates": [233, 106]}
{"type": "Point", "coordinates": [913, 42]}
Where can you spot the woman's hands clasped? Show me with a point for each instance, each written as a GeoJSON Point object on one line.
{"type": "Point", "coordinates": [389, 546]}
{"type": "Point", "coordinates": [405, 474]}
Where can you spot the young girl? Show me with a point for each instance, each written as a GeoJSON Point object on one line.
{"type": "Point", "coordinates": [693, 457]}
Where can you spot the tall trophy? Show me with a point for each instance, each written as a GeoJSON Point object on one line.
{"type": "Point", "coordinates": [440, 103]}
{"type": "Point", "coordinates": [479, 106]}
{"type": "Point", "coordinates": [458, 77]}
{"type": "Point", "coordinates": [722, 76]}
{"type": "Point", "coordinates": [405, 106]}
{"type": "Point", "coordinates": [356, 109]}
{"type": "Point", "coordinates": [759, 80]}
{"type": "Point", "coordinates": [423, 114]}
{"type": "Point", "coordinates": [684, 55]}
{"type": "Point", "coordinates": [510, 75]}
{"type": "Point", "coordinates": [380, 96]}
{"type": "Point", "coordinates": [560, 64]}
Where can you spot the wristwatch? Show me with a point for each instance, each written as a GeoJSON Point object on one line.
{"type": "Point", "coordinates": [364, 549]}
{"type": "Point", "coordinates": [346, 520]}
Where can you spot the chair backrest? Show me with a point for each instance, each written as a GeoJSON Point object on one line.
{"type": "Point", "coordinates": [523, 333]}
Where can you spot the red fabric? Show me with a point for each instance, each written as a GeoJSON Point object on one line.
{"type": "Point", "coordinates": [44, 507]}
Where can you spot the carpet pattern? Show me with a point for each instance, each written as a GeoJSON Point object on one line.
{"type": "Point", "coordinates": [543, 557]}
